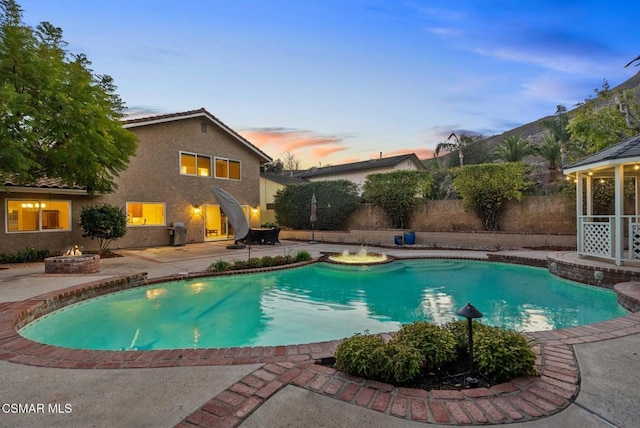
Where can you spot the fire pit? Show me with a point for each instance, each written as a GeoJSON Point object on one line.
{"type": "Point", "coordinates": [89, 263]}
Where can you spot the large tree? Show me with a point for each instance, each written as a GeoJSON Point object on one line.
{"type": "Point", "coordinates": [486, 188]}
{"type": "Point", "coordinates": [57, 118]}
{"type": "Point", "coordinates": [605, 120]}
{"type": "Point", "coordinates": [397, 192]}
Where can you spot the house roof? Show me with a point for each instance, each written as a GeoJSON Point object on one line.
{"type": "Point", "coordinates": [152, 120]}
{"type": "Point", "coordinates": [625, 151]}
{"type": "Point", "coordinates": [285, 180]}
{"type": "Point", "coordinates": [43, 185]}
{"type": "Point", "coordinates": [360, 166]}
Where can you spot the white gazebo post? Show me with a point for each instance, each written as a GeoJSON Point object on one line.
{"type": "Point", "coordinates": [579, 212]}
{"type": "Point", "coordinates": [618, 245]}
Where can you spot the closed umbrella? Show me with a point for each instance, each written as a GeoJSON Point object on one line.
{"type": "Point", "coordinates": [313, 218]}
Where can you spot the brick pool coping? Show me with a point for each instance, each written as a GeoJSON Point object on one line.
{"type": "Point", "coordinates": [522, 399]}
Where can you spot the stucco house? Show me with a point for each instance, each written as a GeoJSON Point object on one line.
{"type": "Point", "coordinates": [180, 156]}
{"type": "Point", "coordinates": [270, 183]}
{"type": "Point", "coordinates": [357, 172]}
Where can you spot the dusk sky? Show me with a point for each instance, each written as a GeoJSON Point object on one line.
{"type": "Point", "coordinates": [336, 81]}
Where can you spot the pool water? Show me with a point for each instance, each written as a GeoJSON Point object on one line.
{"type": "Point", "coordinates": [321, 302]}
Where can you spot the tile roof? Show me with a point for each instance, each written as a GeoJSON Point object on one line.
{"type": "Point", "coordinates": [42, 183]}
{"type": "Point", "coordinates": [359, 166]}
{"type": "Point", "coordinates": [202, 112]}
{"type": "Point", "coordinates": [285, 180]}
{"type": "Point", "coordinates": [629, 148]}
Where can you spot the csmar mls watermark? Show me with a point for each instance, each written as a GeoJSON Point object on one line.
{"type": "Point", "coordinates": [44, 408]}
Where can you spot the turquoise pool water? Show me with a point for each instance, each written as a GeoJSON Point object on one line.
{"type": "Point", "coordinates": [322, 302]}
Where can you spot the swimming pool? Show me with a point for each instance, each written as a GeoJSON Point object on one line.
{"type": "Point", "coordinates": [321, 302]}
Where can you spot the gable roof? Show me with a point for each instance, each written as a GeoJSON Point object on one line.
{"type": "Point", "coordinates": [360, 166]}
{"type": "Point", "coordinates": [626, 150]}
{"type": "Point", "coordinates": [163, 118]}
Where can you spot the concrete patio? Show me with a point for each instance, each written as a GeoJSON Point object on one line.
{"type": "Point", "coordinates": [186, 395]}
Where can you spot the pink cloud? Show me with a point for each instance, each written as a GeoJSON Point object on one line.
{"type": "Point", "coordinates": [322, 152]}
{"type": "Point", "coordinates": [307, 146]}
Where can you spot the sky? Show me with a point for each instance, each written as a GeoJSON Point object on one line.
{"type": "Point", "coordinates": [336, 81]}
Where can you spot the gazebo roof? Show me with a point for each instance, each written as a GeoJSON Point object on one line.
{"type": "Point", "coordinates": [626, 151]}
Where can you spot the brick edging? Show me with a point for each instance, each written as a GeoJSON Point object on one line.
{"type": "Point", "coordinates": [522, 399]}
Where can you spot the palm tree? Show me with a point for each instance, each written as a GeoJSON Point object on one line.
{"type": "Point", "coordinates": [513, 149]}
{"type": "Point", "coordinates": [551, 150]}
{"type": "Point", "coordinates": [451, 147]}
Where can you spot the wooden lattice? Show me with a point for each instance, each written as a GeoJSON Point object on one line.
{"type": "Point", "coordinates": [597, 239]}
{"type": "Point", "coordinates": [634, 245]}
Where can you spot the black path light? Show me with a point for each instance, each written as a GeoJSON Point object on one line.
{"type": "Point", "coordinates": [470, 313]}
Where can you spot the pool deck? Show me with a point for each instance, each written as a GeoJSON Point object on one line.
{"type": "Point", "coordinates": [585, 373]}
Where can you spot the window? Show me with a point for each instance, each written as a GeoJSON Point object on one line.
{"type": "Point", "coordinates": [145, 214]}
{"type": "Point", "coordinates": [34, 215]}
{"type": "Point", "coordinates": [226, 168]}
{"type": "Point", "coordinates": [194, 164]}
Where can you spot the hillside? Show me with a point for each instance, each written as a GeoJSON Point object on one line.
{"type": "Point", "coordinates": [534, 130]}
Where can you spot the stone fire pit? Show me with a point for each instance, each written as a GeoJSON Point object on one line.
{"type": "Point", "coordinates": [89, 263]}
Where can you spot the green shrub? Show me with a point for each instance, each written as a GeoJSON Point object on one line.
{"type": "Point", "coordinates": [460, 330]}
{"type": "Point", "coordinates": [303, 256]}
{"type": "Point", "coordinates": [336, 201]}
{"type": "Point", "coordinates": [240, 264]}
{"type": "Point", "coordinates": [103, 222]}
{"type": "Point", "coordinates": [502, 354]}
{"type": "Point", "coordinates": [435, 343]}
{"type": "Point", "coordinates": [363, 355]}
{"type": "Point", "coordinates": [405, 362]}
{"type": "Point", "coordinates": [254, 262]}
{"type": "Point", "coordinates": [29, 254]}
{"type": "Point", "coordinates": [269, 225]}
{"type": "Point", "coordinates": [268, 261]}
{"type": "Point", "coordinates": [279, 260]}
{"type": "Point", "coordinates": [220, 266]}
{"type": "Point", "coordinates": [419, 347]}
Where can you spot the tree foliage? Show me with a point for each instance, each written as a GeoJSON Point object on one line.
{"type": "Point", "coordinates": [513, 149]}
{"type": "Point", "coordinates": [467, 147]}
{"type": "Point", "coordinates": [486, 188]}
{"type": "Point", "coordinates": [551, 151]}
{"type": "Point", "coordinates": [605, 120]}
{"type": "Point", "coordinates": [398, 192]}
{"type": "Point", "coordinates": [59, 119]}
{"type": "Point", "coordinates": [104, 223]}
{"type": "Point", "coordinates": [336, 201]}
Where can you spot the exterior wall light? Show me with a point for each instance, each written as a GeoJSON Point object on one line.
{"type": "Point", "coordinates": [196, 209]}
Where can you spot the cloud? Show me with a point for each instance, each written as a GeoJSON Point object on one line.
{"type": "Point", "coordinates": [321, 152]}
{"type": "Point", "coordinates": [288, 139]}
{"type": "Point", "coordinates": [138, 111]}
{"type": "Point", "coordinates": [307, 146]}
{"type": "Point", "coordinates": [155, 55]}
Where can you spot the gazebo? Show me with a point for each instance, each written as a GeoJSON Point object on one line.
{"type": "Point", "coordinates": [614, 236]}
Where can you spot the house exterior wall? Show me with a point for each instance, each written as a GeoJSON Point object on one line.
{"type": "Point", "coordinates": [153, 176]}
{"type": "Point", "coordinates": [268, 190]}
{"type": "Point", "coordinates": [51, 239]}
{"type": "Point", "coordinates": [359, 177]}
